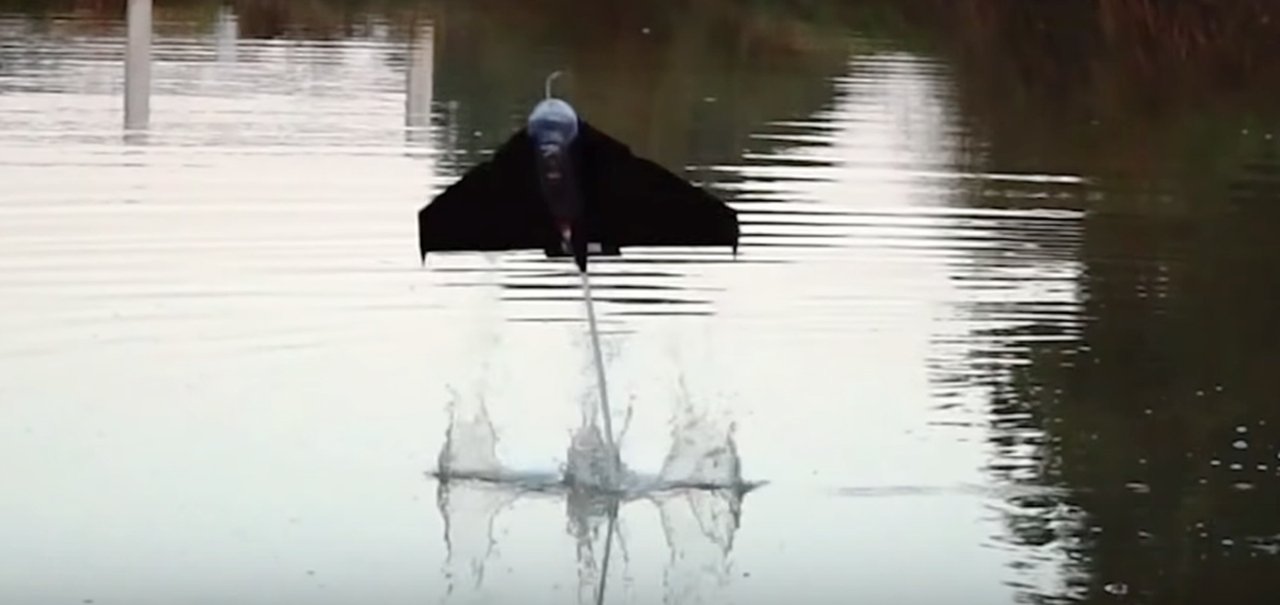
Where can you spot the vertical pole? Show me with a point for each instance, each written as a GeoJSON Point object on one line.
{"type": "Point", "coordinates": [419, 82]}
{"type": "Point", "coordinates": [137, 66]}
{"type": "Point", "coordinates": [227, 35]}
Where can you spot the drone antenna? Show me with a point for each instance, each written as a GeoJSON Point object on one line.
{"type": "Point", "coordinates": [552, 78]}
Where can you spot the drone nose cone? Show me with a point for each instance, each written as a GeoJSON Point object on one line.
{"type": "Point", "coordinates": [553, 122]}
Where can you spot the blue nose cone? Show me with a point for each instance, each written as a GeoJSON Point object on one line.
{"type": "Point", "coordinates": [553, 123]}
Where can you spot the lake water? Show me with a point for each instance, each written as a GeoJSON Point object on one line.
{"type": "Point", "coordinates": [1003, 326]}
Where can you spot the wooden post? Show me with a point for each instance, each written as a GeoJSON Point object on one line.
{"type": "Point", "coordinates": [137, 66]}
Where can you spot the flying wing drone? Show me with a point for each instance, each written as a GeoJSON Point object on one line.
{"type": "Point", "coordinates": [561, 186]}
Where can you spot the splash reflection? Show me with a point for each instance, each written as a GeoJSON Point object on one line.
{"type": "Point", "coordinates": [699, 527]}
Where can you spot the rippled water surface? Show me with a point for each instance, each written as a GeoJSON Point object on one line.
{"type": "Point", "coordinates": [1002, 327]}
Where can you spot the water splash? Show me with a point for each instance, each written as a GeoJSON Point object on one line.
{"type": "Point", "coordinates": [592, 463]}
{"type": "Point", "coordinates": [593, 460]}
{"type": "Point", "coordinates": [703, 451]}
{"type": "Point", "coordinates": [471, 442]}
{"type": "Point", "coordinates": [698, 494]}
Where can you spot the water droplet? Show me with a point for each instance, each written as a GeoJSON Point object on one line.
{"type": "Point", "coordinates": [1117, 588]}
{"type": "Point", "coordinates": [1242, 429]}
{"type": "Point", "coordinates": [1240, 444]}
{"type": "Point", "coordinates": [645, 30]}
{"type": "Point", "coordinates": [1199, 393]}
{"type": "Point", "coordinates": [1262, 467]}
{"type": "Point", "coordinates": [1237, 467]}
{"type": "Point", "coordinates": [1215, 462]}
{"type": "Point", "coordinates": [1243, 486]}
{"type": "Point", "coordinates": [1138, 487]}
{"type": "Point", "coordinates": [1228, 542]}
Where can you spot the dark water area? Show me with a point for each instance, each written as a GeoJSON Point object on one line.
{"type": "Point", "coordinates": [1002, 329]}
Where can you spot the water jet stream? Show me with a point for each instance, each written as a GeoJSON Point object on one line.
{"type": "Point", "coordinates": [615, 462]}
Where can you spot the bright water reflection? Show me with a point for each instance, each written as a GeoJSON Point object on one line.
{"type": "Point", "coordinates": [964, 342]}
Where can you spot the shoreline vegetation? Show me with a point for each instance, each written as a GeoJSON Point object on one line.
{"type": "Point", "coordinates": [1232, 31]}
